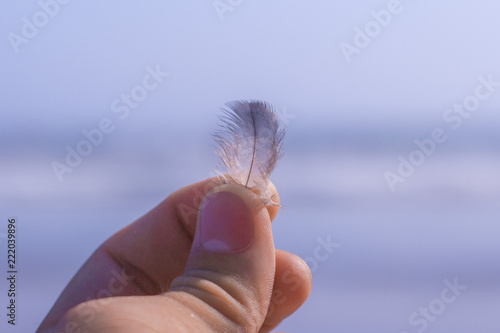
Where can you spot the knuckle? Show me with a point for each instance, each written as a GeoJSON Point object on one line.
{"type": "Point", "coordinates": [223, 297]}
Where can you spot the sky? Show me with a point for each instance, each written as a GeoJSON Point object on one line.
{"type": "Point", "coordinates": [428, 57]}
{"type": "Point", "coordinates": [362, 86]}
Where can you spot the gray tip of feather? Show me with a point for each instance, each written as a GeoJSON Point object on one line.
{"type": "Point", "coordinates": [250, 143]}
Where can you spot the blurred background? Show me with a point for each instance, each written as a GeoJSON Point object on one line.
{"type": "Point", "coordinates": [386, 212]}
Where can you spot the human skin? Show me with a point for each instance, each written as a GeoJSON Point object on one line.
{"type": "Point", "coordinates": [159, 274]}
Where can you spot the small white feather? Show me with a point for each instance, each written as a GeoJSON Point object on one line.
{"type": "Point", "coordinates": [250, 143]}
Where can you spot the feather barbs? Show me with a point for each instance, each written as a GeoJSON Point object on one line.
{"type": "Point", "coordinates": [250, 143]}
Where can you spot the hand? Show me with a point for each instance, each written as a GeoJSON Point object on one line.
{"type": "Point", "coordinates": [187, 267]}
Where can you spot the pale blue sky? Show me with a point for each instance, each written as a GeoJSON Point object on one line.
{"type": "Point", "coordinates": [427, 58]}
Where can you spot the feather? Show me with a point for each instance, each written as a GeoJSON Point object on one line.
{"type": "Point", "coordinates": [250, 143]}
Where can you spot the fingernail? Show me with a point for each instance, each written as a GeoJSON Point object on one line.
{"type": "Point", "coordinates": [226, 223]}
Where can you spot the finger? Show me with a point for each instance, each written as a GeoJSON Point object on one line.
{"type": "Point", "coordinates": [227, 283]}
{"type": "Point", "coordinates": [229, 275]}
{"type": "Point", "coordinates": [292, 286]}
{"type": "Point", "coordinates": [144, 257]}
{"type": "Point", "coordinates": [157, 245]}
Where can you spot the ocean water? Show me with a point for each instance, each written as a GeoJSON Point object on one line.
{"type": "Point", "coordinates": [394, 253]}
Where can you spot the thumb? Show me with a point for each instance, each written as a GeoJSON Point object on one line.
{"type": "Point", "coordinates": [229, 275]}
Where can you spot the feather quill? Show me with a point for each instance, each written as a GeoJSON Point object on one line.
{"type": "Point", "coordinates": [250, 143]}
